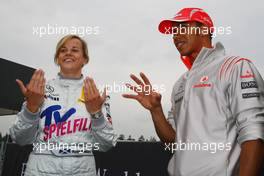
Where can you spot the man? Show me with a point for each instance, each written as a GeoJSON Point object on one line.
{"type": "Point", "coordinates": [216, 123]}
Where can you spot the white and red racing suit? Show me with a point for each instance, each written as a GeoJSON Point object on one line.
{"type": "Point", "coordinates": [216, 106]}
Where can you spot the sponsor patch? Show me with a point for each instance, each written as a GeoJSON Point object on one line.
{"type": "Point", "coordinates": [51, 97]}
{"type": "Point", "coordinates": [203, 83]}
{"type": "Point", "coordinates": [249, 84]}
{"type": "Point", "coordinates": [250, 95]}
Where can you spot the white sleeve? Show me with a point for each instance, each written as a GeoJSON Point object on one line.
{"type": "Point", "coordinates": [170, 119]}
{"type": "Point", "coordinates": [102, 129]}
{"type": "Point", "coordinates": [247, 101]}
{"type": "Point", "coordinates": [25, 128]}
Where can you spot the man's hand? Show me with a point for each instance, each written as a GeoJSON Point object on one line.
{"type": "Point", "coordinates": [92, 98]}
{"type": "Point", "coordinates": [146, 96]}
{"type": "Point", "coordinates": [151, 100]}
{"type": "Point", "coordinates": [34, 91]}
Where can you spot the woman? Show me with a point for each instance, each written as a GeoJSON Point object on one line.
{"type": "Point", "coordinates": [64, 118]}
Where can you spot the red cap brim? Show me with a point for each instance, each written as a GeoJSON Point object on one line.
{"type": "Point", "coordinates": [165, 26]}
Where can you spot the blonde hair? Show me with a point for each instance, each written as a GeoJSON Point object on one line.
{"type": "Point", "coordinates": [67, 38]}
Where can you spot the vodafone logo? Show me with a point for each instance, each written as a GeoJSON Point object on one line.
{"type": "Point", "coordinates": [204, 79]}
{"type": "Point", "coordinates": [203, 83]}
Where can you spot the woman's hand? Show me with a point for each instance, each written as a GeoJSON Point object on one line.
{"type": "Point", "coordinates": [34, 91]}
{"type": "Point", "coordinates": [146, 96]}
{"type": "Point", "coordinates": [92, 98]}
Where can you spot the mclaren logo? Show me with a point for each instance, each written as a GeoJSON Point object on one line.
{"type": "Point", "coordinates": [248, 74]}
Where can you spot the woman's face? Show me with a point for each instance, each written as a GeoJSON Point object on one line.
{"type": "Point", "coordinates": [71, 58]}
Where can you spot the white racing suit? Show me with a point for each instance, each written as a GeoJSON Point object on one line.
{"type": "Point", "coordinates": [216, 106]}
{"type": "Point", "coordinates": [63, 133]}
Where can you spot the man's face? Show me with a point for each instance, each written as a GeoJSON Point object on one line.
{"type": "Point", "coordinates": [186, 37]}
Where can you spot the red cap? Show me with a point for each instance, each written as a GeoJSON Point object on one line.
{"type": "Point", "coordinates": [184, 15]}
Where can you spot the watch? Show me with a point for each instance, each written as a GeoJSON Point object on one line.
{"type": "Point", "coordinates": [97, 115]}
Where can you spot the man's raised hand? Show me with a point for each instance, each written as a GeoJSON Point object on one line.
{"type": "Point", "coordinates": [146, 96]}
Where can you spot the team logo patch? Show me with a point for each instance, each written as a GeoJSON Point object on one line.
{"type": "Point", "coordinates": [49, 93]}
